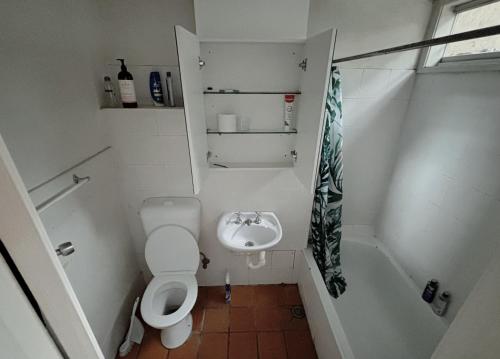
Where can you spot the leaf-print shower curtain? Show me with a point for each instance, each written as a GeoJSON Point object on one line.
{"type": "Point", "coordinates": [325, 233]}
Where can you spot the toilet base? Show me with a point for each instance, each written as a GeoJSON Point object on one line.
{"type": "Point", "coordinates": [176, 335]}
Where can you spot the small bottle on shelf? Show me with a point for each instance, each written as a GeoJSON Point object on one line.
{"type": "Point", "coordinates": [126, 84]}
{"type": "Point", "coordinates": [110, 99]}
{"type": "Point", "coordinates": [289, 112]}
{"type": "Point", "coordinates": [155, 89]}
{"type": "Point", "coordinates": [170, 90]}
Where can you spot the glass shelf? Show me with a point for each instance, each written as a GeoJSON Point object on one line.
{"type": "Point", "coordinates": [295, 92]}
{"type": "Point", "coordinates": [249, 166]}
{"type": "Point", "coordinates": [254, 132]}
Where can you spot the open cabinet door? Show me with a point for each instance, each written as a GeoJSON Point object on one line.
{"type": "Point", "coordinates": [314, 85]}
{"type": "Point", "coordinates": [188, 51]}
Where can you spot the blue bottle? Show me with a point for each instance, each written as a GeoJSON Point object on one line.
{"type": "Point", "coordinates": [155, 88]}
{"type": "Point", "coordinates": [430, 290]}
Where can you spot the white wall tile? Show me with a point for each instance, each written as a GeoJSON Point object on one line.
{"type": "Point", "coordinates": [239, 270]}
{"type": "Point", "coordinates": [282, 266]}
{"type": "Point", "coordinates": [441, 213]}
{"type": "Point", "coordinates": [261, 275]}
{"type": "Point", "coordinates": [351, 82]}
{"type": "Point", "coordinates": [173, 124]}
{"type": "Point", "coordinates": [374, 82]}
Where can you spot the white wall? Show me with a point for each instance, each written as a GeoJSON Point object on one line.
{"type": "Point", "coordinates": [50, 84]}
{"type": "Point", "coordinates": [475, 332]}
{"type": "Point", "coordinates": [442, 214]}
{"type": "Point", "coordinates": [257, 20]}
{"type": "Point", "coordinates": [152, 158]}
{"type": "Point", "coordinates": [142, 31]}
{"type": "Point", "coordinates": [376, 91]}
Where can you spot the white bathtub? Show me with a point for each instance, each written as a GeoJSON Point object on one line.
{"type": "Point", "coordinates": [381, 314]}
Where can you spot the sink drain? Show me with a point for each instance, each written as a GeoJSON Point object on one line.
{"type": "Point", "coordinates": [249, 244]}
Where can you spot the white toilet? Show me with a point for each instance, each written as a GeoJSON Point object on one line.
{"type": "Point", "coordinates": [172, 226]}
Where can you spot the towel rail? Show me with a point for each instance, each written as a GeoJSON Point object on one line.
{"type": "Point", "coordinates": [68, 170]}
{"type": "Point", "coordinates": [77, 183]}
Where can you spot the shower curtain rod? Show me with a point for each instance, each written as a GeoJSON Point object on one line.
{"type": "Point", "coordinates": [484, 32]}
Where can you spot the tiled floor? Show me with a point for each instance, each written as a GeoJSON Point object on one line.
{"type": "Point", "coordinates": [258, 324]}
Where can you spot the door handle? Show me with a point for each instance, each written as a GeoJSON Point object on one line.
{"type": "Point", "coordinates": [65, 249]}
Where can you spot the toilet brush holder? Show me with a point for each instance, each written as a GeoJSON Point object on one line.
{"type": "Point", "coordinates": [135, 332]}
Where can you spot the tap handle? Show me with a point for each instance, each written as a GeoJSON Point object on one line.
{"type": "Point", "coordinates": [258, 218]}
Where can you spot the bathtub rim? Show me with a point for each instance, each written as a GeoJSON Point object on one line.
{"type": "Point", "coordinates": [328, 306]}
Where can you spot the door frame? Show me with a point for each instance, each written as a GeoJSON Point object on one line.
{"type": "Point", "coordinates": [28, 243]}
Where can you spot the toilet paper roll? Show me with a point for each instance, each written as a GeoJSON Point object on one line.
{"type": "Point", "coordinates": [227, 122]}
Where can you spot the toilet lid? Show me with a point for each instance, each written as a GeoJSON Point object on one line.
{"type": "Point", "coordinates": [172, 249]}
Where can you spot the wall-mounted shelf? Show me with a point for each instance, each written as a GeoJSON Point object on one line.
{"type": "Point", "coordinates": [254, 132]}
{"type": "Point", "coordinates": [252, 92]}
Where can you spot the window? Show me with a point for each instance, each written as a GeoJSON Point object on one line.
{"type": "Point", "coordinates": [453, 17]}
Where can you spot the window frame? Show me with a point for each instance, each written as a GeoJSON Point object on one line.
{"type": "Point", "coordinates": [441, 23]}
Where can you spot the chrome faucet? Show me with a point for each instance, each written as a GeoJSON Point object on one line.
{"type": "Point", "coordinates": [238, 219]}
{"type": "Point", "coordinates": [258, 218]}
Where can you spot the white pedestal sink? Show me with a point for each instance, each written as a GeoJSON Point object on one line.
{"type": "Point", "coordinates": [249, 232]}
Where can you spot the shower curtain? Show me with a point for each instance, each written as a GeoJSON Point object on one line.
{"type": "Point", "coordinates": [325, 233]}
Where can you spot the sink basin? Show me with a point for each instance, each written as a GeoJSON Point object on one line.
{"type": "Point", "coordinates": [249, 236]}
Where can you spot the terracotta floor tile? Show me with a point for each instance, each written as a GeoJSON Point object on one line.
{"type": "Point", "coordinates": [267, 295]}
{"type": "Point", "coordinates": [242, 320]}
{"type": "Point", "coordinates": [216, 320]}
{"type": "Point", "coordinates": [215, 297]}
{"type": "Point", "coordinates": [291, 323]}
{"type": "Point", "coordinates": [151, 347]}
{"type": "Point", "coordinates": [290, 295]}
{"type": "Point", "coordinates": [271, 318]}
{"type": "Point", "coordinates": [243, 346]}
{"type": "Point", "coordinates": [243, 296]}
{"type": "Point", "coordinates": [132, 354]}
{"type": "Point", "coordinates": [299, 345]}
{"type": "Point", "coordinates": [213, 346]}
{"type": "Point", "coordinates": [198, 316]}
{"type": "Point", "coordinates": [271, 345]}
{"type": "Point", "coordinates": [202, 296]}
{"type": "Point", "coordinates": [188, 350]}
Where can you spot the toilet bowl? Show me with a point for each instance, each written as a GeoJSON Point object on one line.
{"type": "Point", "coordinates": [167, 304]}
{"type": "Point", "coordinates": [173, 257]}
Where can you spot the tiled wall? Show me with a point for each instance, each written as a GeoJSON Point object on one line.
{"type": "Point", "coordinates": [152, 158]}
{"type": "Point", "coordinates": [375, 104]}
{"type": "Point", "coordinates": [442, 215]}
{"type": "Point", "coordinates": [375, 90]}
{"type": "Point", "coordinates": [151, 151]}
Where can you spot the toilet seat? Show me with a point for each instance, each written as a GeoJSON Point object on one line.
{"type": "Point", "coordinates": [151, 305]}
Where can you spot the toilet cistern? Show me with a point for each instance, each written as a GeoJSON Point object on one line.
{"type": "Point", "coordinates": [249, 232]}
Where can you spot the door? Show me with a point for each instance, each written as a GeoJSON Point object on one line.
{"type": "Point", "coordinates": [188, 51]}
{"type": "Point", "coordinates": [22, 335]}
{"type": "Point", "coordinates": [314, 85]}
{"type": "Point", "coordinates": [24, 236]}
